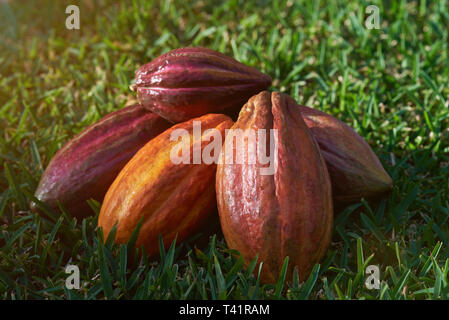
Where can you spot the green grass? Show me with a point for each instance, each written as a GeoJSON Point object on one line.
{"type": "Point", "coordinates": [391, 85]}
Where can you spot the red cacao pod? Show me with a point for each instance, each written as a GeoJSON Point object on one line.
{"type": "Point", "coordinates": [172, 198]}
{"type": "Point", "coordinates": [288, 213]}
{"type": "Point", "coordinates": [190, 82]}
{"type": "Point", "coordinates": [85, 166]}
{"type": "Point", "coordinates": [355, 170]}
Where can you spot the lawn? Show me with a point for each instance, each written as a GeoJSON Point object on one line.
{"type": "Point", "coordinates": [390, 84]}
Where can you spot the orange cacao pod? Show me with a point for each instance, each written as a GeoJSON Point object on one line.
{"type": "Point", "coordinates": [354, 169]}
{"type": "Point", "coordinates": [173, 198]}
{"type": "Point", "coordinates": [288, 213]}
{"type": "Point", "coordinates": [189, 82]}
{"type": "Point", "coordinates": [85, 166]}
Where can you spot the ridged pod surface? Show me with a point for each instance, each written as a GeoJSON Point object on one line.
{"type": "Point", "coordinates": [171, 198]}
{"type": "Point", "coordinates": [85, 166]}
{"type": "Point", "coordinates": [189, 82]}
{"type": "Point", "coordinates": [288, 213]}
{"type": "Point", "coordinates": [354, 169]}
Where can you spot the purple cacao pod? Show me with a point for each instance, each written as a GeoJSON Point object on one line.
{"type": "Point", "coordinates": [85, 167]}
{"type": "Point", "coordinates": [189, 82]}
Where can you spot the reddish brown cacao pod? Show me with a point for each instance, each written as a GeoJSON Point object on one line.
{"type": "Point", "coordinates": [173, 198]}
{"type": "Point", "coordinates": [85, 167]}
{"type": "Point", "coordinates": [190, 82]}
{"type": "Point", "coordinates": [288, 213]}
{"type": "Point", "coordinates": [355, 170]}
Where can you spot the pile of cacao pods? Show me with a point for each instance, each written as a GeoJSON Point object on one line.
{"type": "Point", "coordinates": [123, 161]}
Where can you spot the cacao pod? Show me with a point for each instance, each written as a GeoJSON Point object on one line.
{"type": "Point", "coordinates": [172, 197]}
{"type": "Point", "coordinates": [85, 166]}
{"type": "Point", "coordinates": [354, 169]}
{"type": "Point", "coordinates": [189, 82]}
{"type": "Point", "coordinates": [288, 213]}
